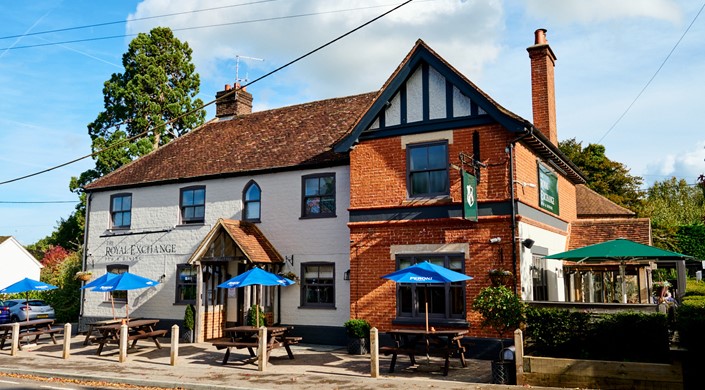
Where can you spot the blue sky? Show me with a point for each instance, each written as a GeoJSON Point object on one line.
{"type": "Point", "coordinates": [607, 51]}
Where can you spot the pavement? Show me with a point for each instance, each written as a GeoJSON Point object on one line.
{"type": "Point", "coordinates": [199, 366]}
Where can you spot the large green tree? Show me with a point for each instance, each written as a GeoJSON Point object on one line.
{"type": "Point", "coordinates": [153, 99]}
{"type": "Point", "coordinates": [608, 178]}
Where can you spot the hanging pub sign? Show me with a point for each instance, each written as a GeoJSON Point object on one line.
{"type": "Point", "coordinates": [548, 189]}
{"type": "Point", "coordinates": [469, 196]}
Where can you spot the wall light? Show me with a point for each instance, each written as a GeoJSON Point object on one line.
{"type": "Point", "coordinates": [528, 243]}
{"type": "Point", "coordinates": [524, 184]}
{"type": "Point", "coordinates": [346, 275]}
{"type": "Point", "coordinates": [495, 240]}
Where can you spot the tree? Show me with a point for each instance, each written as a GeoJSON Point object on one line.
{"type": "Point", "coordinates": [672, 206]}
{"type": "Point", "coordinates": [154, 96]}
{"type": "Point", "coordinates": [608, 178]}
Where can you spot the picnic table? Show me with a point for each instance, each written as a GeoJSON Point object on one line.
{"type": "Point", "coordinates": [92, 327]}
{"type": "Point", "coordinates": [240, 337]}
{"type": "Point", "coordinates": [413, 342]}
{"type": "Point", "coordinates": [32, 328]}
{"type": "Point", "coordinates": [136, 330]}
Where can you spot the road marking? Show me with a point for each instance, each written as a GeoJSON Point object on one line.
{"type": "Point", "coordinates": [10, 382]}
{"type": "Point", "coordinates": [58, 388]}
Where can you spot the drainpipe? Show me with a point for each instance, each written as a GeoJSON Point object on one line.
{"type": "Point", "coordinates": [510, 149]}
{"type": "Point", "coordinates": [89, 196]}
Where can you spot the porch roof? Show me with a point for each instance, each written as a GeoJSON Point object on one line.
{"type": "Point", "coordinates": [247, 236]}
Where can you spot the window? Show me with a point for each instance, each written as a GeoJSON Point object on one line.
{"type": "Point", "coordinates": [193, 204]}
{"type": "Point", "coordinates": [318, 196]}
{"type": "Point", "coordinates": [185, 284]}
{"type": "Point", "coordinates": [427, 169]}
{"type": "Point", "coordinates": [120, 211]}
{"type": "Point", "coordinates": [118, 295]}
{"type": "Point", "coordinates": [318, 285]}
{"type": "Point", "coordinates": [539, 278]}
{"type": "Point", "coordinates": [445, 301]}
{"type": "Point", "coordinates": [252, 199]}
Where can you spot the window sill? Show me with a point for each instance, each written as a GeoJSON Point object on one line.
{"type": "Point", "coordinates": [426, 201]}
{"type": "Point", "coordinates": [187, 224]}
{"type": "Point", "coordinates": [252, 220]}
{"type": "Point", "coordinates": [318, 307]}
{"type": "Point", "coordinates": [316, 216]}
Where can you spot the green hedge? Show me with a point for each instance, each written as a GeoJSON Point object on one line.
{"type": "Point", "coordinates": [627, 336]}
{"type": "Point", "coordinates": [694, 288]}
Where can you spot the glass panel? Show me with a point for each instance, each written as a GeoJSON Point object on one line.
{"type": "Point", "coordinates": [199, 196]}
{"type": "Point", "coordinates": [457, 303]}
{"type": "Point", "coordinates": [438, 181]}
{"type": "Point", "coordinates": [187, 198]}
{"type": "Point", "coordinates": [311, 187]}
{"type": "Point", "coordinates": [437, 157]}
{"type": "Point", "coordinates": [418, 159]}
{"type": "Point", "coordinates": [326, 294]}
{"type": "Point", "coordinates": [188, 213]}
{"type": "Point", "coordinates": [405, 262]}
{"type": "Point", "coordinates": [117, 221]}
{"type": "Point", "coordinates": [188, 293]}
{"type": "Point", "coordinates": [419, 183]}
{"type": "Point", "coordinates": [313, 205]}
{"type": "Point", "coordinates": [126, 219]}
{"type": "Point", "coordinates": [456, 264]}
{"type": "Point", "coordinates": [117, 203]}
{"type": "Point", "coordinates": [126, 203]}
{"type": "Point", "coordinates": [252, 211]}
{"type": "Point", "coordinates": [405, 297]}
{"type": "Point", "coordinates": [327, 205]}
{"type": "Point", "coordinates": [327, 184]}
{"type": "Point", "coordinates": [253, 193]}
{"type": "Point", "coordinates": [311, 272]}
{"type": "Point", "coordinates": [199, 212]}
{"type": "Point", "coordinates": [437, 303]}
{"type": "Point", "coordinates": [326, 272]}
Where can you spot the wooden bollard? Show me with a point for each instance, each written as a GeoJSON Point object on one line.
{"type": "Point", "coordinates": [67, 340]}
{"type": "Point", "coordinates": [262, 349]}
{"type": "Point", "coordinates": [123, 343]}
{"type": "Point", "coordinates": [519, 355]}
{"type": "Point", "coordinates": [174, 344]}
{"type": "Point", "coordinates": [374, 352]}
{"type": "Point", "coordinates": [15, 339]}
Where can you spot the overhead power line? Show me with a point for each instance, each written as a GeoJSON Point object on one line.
{"type": "Point", "coordinates": [132, 20]}
{"type": "Point", "coordinates": [654, 76]}
{"type": "Point", "coordinates": [232, 91]}
{"type": "Point", "coordinates": [195, 27]}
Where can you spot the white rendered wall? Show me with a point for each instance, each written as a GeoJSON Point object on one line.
{"type": "Point", "coordinates": [156, 208]}
{"type": "Point", "coordinates": [555, 243]}
{"type": "Point", "coordinates": [16, 263]}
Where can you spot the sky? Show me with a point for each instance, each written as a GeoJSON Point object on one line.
{"type": "Point", "coordinates": [607, 51]}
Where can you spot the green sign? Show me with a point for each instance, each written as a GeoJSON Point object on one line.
{"type": "Point", "coordinates": [548, 189]}
{"type": "Point", "coordinates": [469, 197]}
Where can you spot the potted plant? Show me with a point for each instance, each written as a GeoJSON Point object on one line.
{"type": "Point", "coordinates": [358, 331]}
{"type": "Point", "coordinates": [500, 277]}
{"type": "Point", "coordinates": [291, 275]}
{"type": "Point", "coordinates": [502, 310]}
{"type": "Point", "coordinates": [84, 275]}
{"type": "Point", "coordinates": [189, 324]}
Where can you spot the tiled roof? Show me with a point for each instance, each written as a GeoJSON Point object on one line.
{"type": "Point", "coordinates": [246, 236]}
{"type": "Point", "coordinates": [3, 238]}
{"type": "Point", "coordinates": [294, 136]}
{"type": "Point", "coordinates": [585, 232]}
{"type": "Point", "coordinates": [590, 204]}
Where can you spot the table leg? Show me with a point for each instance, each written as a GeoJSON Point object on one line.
{"type": "Point", "coordinates": [288, 351]}
{"type": "Point", "coordinates": [227, 355]}
{"type": "Point", "coordinates": [393, 363]}
{"type": "Point", "coordinates": [88, 335]}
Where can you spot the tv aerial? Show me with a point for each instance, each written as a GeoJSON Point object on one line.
{"type": "Point", "coordinates": [238, 80]}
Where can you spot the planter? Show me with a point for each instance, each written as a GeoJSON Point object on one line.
{"type": "Point", "coordinates": [501, 279]}
{"type": "Point", "coordinates": [83, 277]}
{"type": "Point", "coordinates": [358, 346]}
{"type": "Point", "coordinates": [504, 372]}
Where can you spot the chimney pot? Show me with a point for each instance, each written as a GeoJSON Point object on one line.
{"type": "Point", "coordinates": [227, 87]}
{"type": "Point", "coordinates": [540, 37]}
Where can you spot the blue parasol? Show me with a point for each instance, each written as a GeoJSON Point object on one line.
{"type": "Point", "coordinates": [100, 280]}
{"type": "Point", "coordinates": [122, 282]}
{"type": "Point", "coordinates": [27, 285]}
{"type": "Point", "coordinates": [426, 272]}
{"type": "Point", "coordinates": [256, 276]}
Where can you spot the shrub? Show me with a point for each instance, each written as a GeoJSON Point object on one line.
{"type": "Point", "coordinates": [694, 288]}
{"type": "Point", "coordinates": [630, 336]}
{"type": "Point", "coordinates": [501, 309]}
{"type": "Point", "coordinates": [357, 328]}
{"type": "Point", "coordinates": [557, 332]}
{"type": "Point", "coordinates": [253, 319]}
{"type": "Point", "coordinates": [189, 317]}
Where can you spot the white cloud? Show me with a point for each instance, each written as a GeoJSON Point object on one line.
{"type": "Point", "coordinates": [689, 164]}
{"type": "Point", "coordinates": [562, 11]}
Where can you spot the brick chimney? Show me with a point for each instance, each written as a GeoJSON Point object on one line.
{"type": "Point", "coordinates": [543, 91]}
{"type": "Point", "coordinates": [236, 104]}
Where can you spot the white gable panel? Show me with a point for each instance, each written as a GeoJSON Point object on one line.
{"type": "Point", "coordinates": [436, 94]}
{"type": "Point", "coordinates": [461, 104]}
{"type": "Point", "coordinates": [16, 263]}
{"type": "Point", "coordinates": [414, 97]}
{"type": "Point", "coordinates": [393, 113]}
{"type": "Point", "coordinates": [375, 124]}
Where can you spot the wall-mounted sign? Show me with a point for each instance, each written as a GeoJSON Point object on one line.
{"type": "Point", "coordinates": [469, 184]}
{"type": "Point", "coordinates": [548, 189]}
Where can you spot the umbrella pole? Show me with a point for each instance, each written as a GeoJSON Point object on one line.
{"type": "Point", "coordinates": [427, 315]}
{"type": "Point", "coordinates": [112, 303]}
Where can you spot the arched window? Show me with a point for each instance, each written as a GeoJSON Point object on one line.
{"type": "Point", "coordinates": [252, 200]}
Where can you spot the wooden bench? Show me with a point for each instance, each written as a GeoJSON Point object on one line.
{"type": "Point", "coordinates": [394, 351]}
{"type": "Point", "coordinates": [445, 352]}
{"type": "Point", "coordinates": [228, 343]}
{"type": "Point", "coordinates": [147, 335]}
